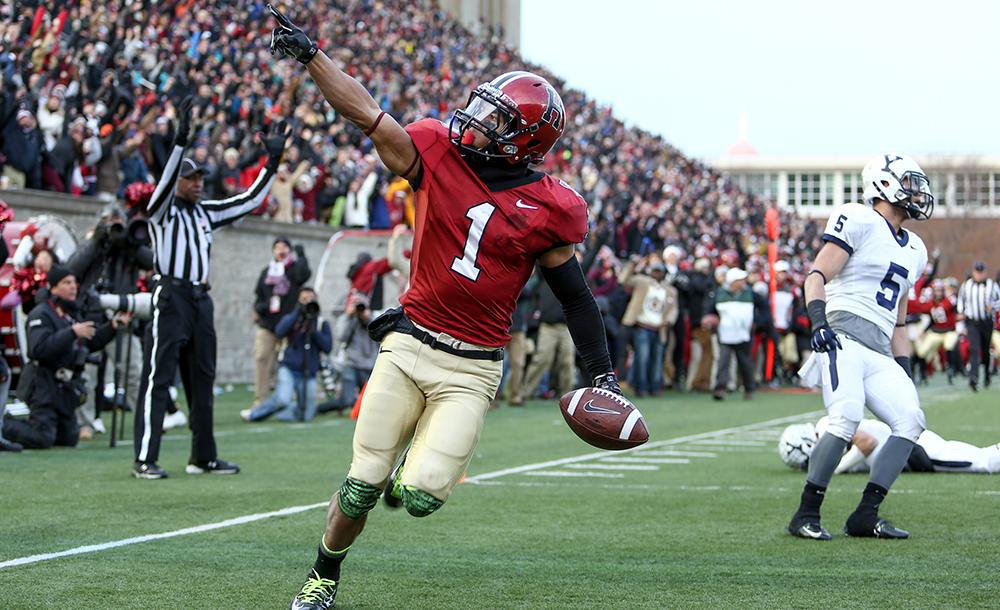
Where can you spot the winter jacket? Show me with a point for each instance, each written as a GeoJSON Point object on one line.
{"type": "Point", "coordinates": [307, 339]}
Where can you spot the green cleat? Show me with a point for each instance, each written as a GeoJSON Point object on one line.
{"type": "Point", "coordinates": [316, 594]}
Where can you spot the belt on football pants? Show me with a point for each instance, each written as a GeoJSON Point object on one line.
{"type": "Point", "coordinates": [405, 326]}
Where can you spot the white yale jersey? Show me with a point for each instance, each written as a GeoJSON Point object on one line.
{"type": "Point", "coordinates": [882, 267]}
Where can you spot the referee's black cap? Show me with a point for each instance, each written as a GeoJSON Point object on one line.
{"type": "Point", "coordinates": [190, 167]}
{"type": "Point", "coordinates": [979, 266]}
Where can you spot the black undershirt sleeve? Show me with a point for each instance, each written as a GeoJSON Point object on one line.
{"type": "Point", "coordinates": [583, 317]}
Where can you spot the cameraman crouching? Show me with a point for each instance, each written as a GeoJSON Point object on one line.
{"type": "Point", "coordinates": [295, 392]}
{"type": "Point", "coordinates": [52, 382]}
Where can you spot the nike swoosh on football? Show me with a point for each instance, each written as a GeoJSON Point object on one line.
{"type": "Point", "coordinates": [521, 204]}
{"type": "Point", "coordinates": [590, 408]}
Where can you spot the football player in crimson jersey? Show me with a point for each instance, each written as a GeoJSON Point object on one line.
{"type": "Point", "coordinates": [942, 332]}
{"type": "Point", "coordinates": [484, 219]}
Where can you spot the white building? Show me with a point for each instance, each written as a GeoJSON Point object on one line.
{"type": "Point", "coordinates": [963, 186]}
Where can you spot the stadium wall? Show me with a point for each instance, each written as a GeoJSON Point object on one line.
{"type": "Point", "coordinates": [238, 255]}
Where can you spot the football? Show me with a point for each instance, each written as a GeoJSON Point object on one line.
{"type": "Point", "coordinates": [604, 419]}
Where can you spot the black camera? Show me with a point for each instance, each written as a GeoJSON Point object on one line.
{"type": "Point", "coordinates": [135, 233]}
{"type": "Point", "coordinates": [311, 309]}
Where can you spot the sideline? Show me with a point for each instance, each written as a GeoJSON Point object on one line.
{"type": "Point", "coordinates": [291, 510]}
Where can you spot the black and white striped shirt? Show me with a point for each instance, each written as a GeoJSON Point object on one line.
{"type": "Point", "coordinates": [182, 231]}
{"type": "Point", "coordinates": [977, 300]}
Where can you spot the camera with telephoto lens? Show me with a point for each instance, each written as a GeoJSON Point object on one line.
{"type": "Point", "coordinates": [141, 304]}
{"type": "Point", "coordinates": [135, 233]}
{"type": "Point", "coordinates": [310, 309]}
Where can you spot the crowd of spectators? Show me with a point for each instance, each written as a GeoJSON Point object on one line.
{"type": "Point", "coordinates": [89, 88]}
{"type": "Point", "coordinates": [676, 255]}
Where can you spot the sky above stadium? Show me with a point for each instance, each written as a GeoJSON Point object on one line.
{"type": "Point", "coordinates": [852, 77]}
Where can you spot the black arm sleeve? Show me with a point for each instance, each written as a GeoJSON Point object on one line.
{"type": "Point", "coordinates": [582, 315]}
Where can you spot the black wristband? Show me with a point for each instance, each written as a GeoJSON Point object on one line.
{"type": "Point", "coordinates": [904, 361]}
{"type": "Point", "coordinates": [817, 312]}
{"type": "Point", "coordinates": [819, 273]}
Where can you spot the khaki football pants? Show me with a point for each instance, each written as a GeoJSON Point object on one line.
{"type": "Point", "coordinates": [928, 344]}
{"type": "Point", "coordinates": [437, 399]}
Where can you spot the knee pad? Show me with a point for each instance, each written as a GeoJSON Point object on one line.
{"type": "Point", "coordinates": [841, 427]}
{"type": "Point", "coordinates": [419, 503]}
{"type": "Point", "coordinates": [356, 498]}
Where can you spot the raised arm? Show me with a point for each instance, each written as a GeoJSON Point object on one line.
{"type": "Point", "coordinates": [167, 185]}
{"type": "Point", "coordinates": [348, 97]}
{"type": "Point", "coordinates": [226, 211]}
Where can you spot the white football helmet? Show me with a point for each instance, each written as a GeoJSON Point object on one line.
{"type": "Point", "coordinates": [796, 445]}
{"type": "Point", "coordinates": [900, 181]}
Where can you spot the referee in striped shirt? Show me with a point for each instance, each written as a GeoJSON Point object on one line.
{"type": "Point", "coordinates": [978, 300]}
{"type": "Point", "coordinates": [182, 332]}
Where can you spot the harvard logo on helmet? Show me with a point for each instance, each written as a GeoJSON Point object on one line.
{"type": "Point", "coordinates": [520, 113]}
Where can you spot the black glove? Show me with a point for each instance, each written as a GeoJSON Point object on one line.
{"type": "Point", "coordinates": [274, 142]}
{"type": "Point", "coordinates": [184, 121]}
{"type": "Point", "coordinates": [289, 39]}
{"type": "Point", "coordinates": [608, 381]}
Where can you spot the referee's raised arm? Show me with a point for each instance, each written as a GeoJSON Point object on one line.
{"type": "Point", "coordinates": [167, 184]}
{"type": "Point", "coordinates": [226, 211]}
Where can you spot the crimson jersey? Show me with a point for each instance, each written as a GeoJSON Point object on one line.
{"type": "Point", "coordinates": [474, 249]}
{"type": "Point", "coordinates": [942, 313]}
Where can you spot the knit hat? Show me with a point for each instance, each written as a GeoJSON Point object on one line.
{"type": "Point", "coordinates": [57, 274]}
{"type": "Point", "coordinates": [282, 240]}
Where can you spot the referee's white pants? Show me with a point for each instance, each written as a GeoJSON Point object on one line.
{"type": "Point", "coordinates": [856, 376]}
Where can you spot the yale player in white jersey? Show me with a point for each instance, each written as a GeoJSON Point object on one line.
{"type": "Point", "coordinates": [856, 297]}
{"type": "Point", "coordinates": [931, 454]}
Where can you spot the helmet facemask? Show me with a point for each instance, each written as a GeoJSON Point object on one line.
{"type": "Point", "coordinates": [913, 195]}
{"type": "Point", "coordinates": [495, 116]}
{"type": "Point", "coordinates": [906, 187]}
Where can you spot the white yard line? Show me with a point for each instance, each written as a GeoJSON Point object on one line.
{"type": "Point", "coordinates": [701, 454]}
{"type": "Point", "coordinates": [647, 460]}
{"type": "Point", "coordinates": [291, 510]}
{"type": "Point", "coordinates": [680, 440]}
{"type": "Point", "coordinates": [614, 466]}
{"type": "Point", "coordinates": [575, 473]}
{"type": "Point", "coordinates": [93, 548]}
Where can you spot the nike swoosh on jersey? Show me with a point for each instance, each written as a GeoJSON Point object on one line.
{"type": "Point", "coordinates": [521, 204]}
{"type": "Point", "coordinates": [590, 408]}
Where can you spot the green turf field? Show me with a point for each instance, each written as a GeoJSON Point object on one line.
{"type": "Point", "coordinates": [701, 526]}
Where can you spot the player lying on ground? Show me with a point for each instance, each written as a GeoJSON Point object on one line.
{"type": "Point", "coordinates": [861, 278]}
{"type": "Point", "coordinates": [487, 220]}
{"type": "Point", "coordinates": [931, 453]}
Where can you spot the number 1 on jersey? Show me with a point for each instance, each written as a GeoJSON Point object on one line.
{"type": "Point", "coordinates": [466, 265]}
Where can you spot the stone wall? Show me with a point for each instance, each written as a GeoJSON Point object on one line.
{"type": "Point", "coordinates": [239, 253]}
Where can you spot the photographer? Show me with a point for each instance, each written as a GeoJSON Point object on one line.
{"type": "Point", "coordinates": [356, 352]}
{"type": "Point", "coordinates": [307, 334]}
{"type": "Point", "coordinates": [110, 262]}
{"type": "Point", "coordinates": [277, 287]}
{"type": "Point", "coordinates": [52, 382]}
